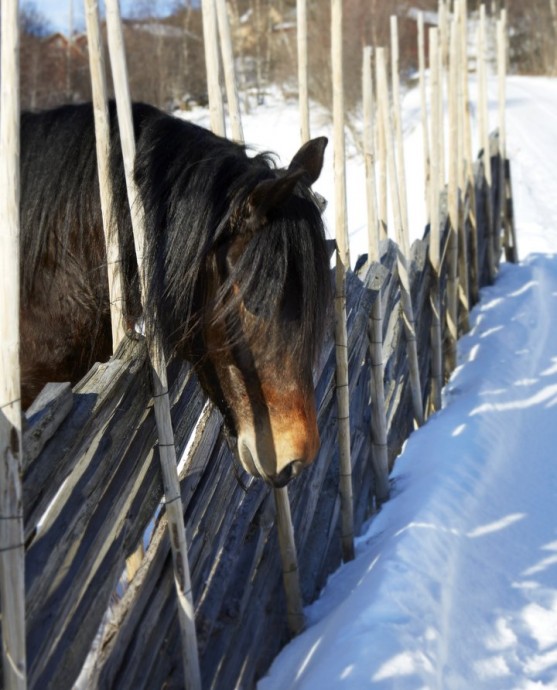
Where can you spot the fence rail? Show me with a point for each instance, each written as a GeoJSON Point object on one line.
{"type": "Point", "coordinates": [91, 487]}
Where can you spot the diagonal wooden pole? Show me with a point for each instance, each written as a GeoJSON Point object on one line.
{"type": "Point", "coordinates": [12, 549]}
{"type": "Point", "coordinates": [167, 449]}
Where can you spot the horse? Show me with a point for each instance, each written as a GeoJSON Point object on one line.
{"type": "Point", "coordinates": [236, 259]}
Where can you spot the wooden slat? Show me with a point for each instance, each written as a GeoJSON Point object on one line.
{"type": "Point", "coordinates": [107, 460]}
{"type": "Point", "coordinates": [43, 419]}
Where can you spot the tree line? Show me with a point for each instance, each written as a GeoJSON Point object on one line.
{"type": "Point", "coordinates": [166, 56]}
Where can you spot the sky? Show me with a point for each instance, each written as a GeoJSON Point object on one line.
{"type": "Point", "coordinates": [58, 11]}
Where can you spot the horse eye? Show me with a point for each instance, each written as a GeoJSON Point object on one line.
{"type": "Point", "coordinates": [286, 310]}
{"type": "Point", "coordinates": [257, 307]}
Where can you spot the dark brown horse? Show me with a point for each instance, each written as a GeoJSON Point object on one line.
{"type": "Point", "coordinates": [237, 264]}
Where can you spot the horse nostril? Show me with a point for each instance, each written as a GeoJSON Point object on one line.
{"type": "Point", "coordinates": [296, 467]}
{"type": "Point", "coordinates": [293, 469]}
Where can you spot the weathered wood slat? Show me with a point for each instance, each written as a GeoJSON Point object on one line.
{"type": "Point", "coordinates": [43, 419]}
{"type": "Point", "coordinates": [114, 485]}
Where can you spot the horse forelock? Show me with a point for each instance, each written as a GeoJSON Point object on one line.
{"type": "Point", "coordinates": [282, 276]}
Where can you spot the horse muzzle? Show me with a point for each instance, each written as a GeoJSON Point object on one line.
{"type": "Point", "coordinates": [279, 460]}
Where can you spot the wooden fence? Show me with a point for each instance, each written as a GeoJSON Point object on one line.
{"type": "Point", "coordinates": [92, 490]}
{"type": "Point", "coordinates": [89, 462]}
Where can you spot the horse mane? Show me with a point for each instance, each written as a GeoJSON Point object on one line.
{"type": "Point", "coordinates": [58, 167]}
{"type": "Point", "coordinates": [193, 185]}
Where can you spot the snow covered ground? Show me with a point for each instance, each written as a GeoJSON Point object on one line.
{"type": "Point", "coordinates": [455, 581]}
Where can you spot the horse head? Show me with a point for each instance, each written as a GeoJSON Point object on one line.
{"type": "Point", "coordinates": [264, 319]}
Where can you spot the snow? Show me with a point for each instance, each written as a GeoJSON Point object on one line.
{"type": "Point", "coordinates": [455, 581]}
{"type": "Point", "coordinates": [454, 585]}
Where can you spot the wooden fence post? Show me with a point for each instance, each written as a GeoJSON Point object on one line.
{"type": "Point", "coordinates": [380, 456]}
{"type": "Point", "coordinates": [380, 130]}
{"type": "Point", "coordinates": [102, 142]}
{"type": "Point", "coordinates": [399, 141]}
{"type": "Point", "coordinates": [401, 238]}
{"type": "Point", "coordinates": [454, 205]}
{"type": "Point", "coordinates": [303, 92]}
{"type": "Point", "coordinates": [342, 265]}
{"type": "Point", "coordinates": [461, 53]}
{"type": "Point", "coordinates": [229, 71]}
{"type": "Point", "coordinates": [369, 157]}
{"type": "Point", "coordinates": [443, 53]}
{"type": "Point", "coordinates": [289, 559]}
{"type": "Point", "coordinates": [167, 449]}
{"type": "Point", "coordinates": [12, 549]}
{"type": "Point", "coordinates": [469, 185]}
{"type": "Point", "coordinates": [484, 141]}
{"type": "Point", "coordinates": [210, 41]}
{"type": "Point", "coordinates": [511, 253]}
{"type": "Point", "coordinates": [287, 544]}
{"type": "Point", "coordinates": [423, 108]}
{"type": "Point", "coordinates": [434, 233]}
{"type": "Point", "coordinates": [501, 77]}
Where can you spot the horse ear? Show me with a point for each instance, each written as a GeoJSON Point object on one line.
{"type": "Point", "coordinates": [310, 159]}
{"type": "Point", "coordinates": [271, 194]}
{"type": "Point", "coordinates": [306, 165]}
